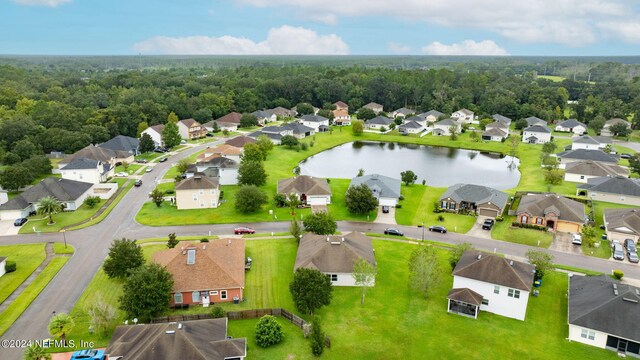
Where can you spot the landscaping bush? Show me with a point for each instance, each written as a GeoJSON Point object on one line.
{"type": "Point", "coordinates": [440, 218]}
{"type": "Point", "coordinates": [280, 200]}
{"type": "Point", "coordinates": [217, 312]}
{"type": "Point", "coordinates": [91, 201]}
{"type": "Point", "coordinates": [204, 240]}
{"type": "Point", "coordinates": [10, 266]}
{"type": "Point", "coordinates": [268, 331]}
{"type": "Point", "coordinates": [304, 146]}
{"type": "Point", "coordinates": [499, 218]}
{"type": "Point", "coordinates": [529, 226]}
{"type": "Point", "coordinates": [618, 274]}
{"type": "Point", "coordinates": [399, 206]}
{"type": "Point", "coordinates": [170, 191]}
{"type": "Point", "coordinates": [317, 338]}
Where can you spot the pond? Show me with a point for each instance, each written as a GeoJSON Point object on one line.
{"type": "Point", "coordinates": [439, 166]}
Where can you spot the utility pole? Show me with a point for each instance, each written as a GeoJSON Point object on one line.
{"type": "Point", "coordinates": [64, 236]}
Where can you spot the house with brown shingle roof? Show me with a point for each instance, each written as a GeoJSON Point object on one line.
{"type": "Point", "coordinates": [502, 286]}
{"type": "Point", "coordinates": [226, 150]}
{"type": "Point", "coordinates": [230, 122]}
{"type": "Point", "coordinates": [553, 211]}
{"type": "Point", "coordinates": [582, 171]}
{"type": "Point", "coordinates": [335, 255]}
{"type": "Point", "coordinates": [205, 273]}
{"type": "Point", "coordinates": [240, 141]}
{"type": "Point", "coordinates": [103, 155]}
{"type": "Point", "coordinates": [622, 224]}
{"type": "Point", "coordinates": [340, 105]}
{"type": "Point", "coordinates": [310, 190]}
{"type": "Point", "coordinates": [191, 129]}
{"type": "Point", "coordinates": [198, 192]}
{"type": "Point", "coordinates": [375, 107]}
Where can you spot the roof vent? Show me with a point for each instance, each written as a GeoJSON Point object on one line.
{"type": "Point", "coordinates": [630, 300]}
{"type": "Point", "coordinates": [229, 242]}
{"type": "Point", "coordinates": [328, 239]}
{"type": "Point", "coordinates": [204, 247]}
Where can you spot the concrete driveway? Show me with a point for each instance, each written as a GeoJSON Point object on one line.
{"type": "Point", "coordinates": [562, 242]}
{"type": "Point", "coordinates": [477, 231]}
{"type": "Point", "coordinates": [388, 218]}
{"type": "Point", "coordinates": [7, 227]}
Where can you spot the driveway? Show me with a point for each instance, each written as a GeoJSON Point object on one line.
{"type": "Point", "coordinates": [477, 231]}
{"type": "Point", "coordinates": [319, 208]}
{"type": "Point", "coordinates": [7, 227]}
{"type": "Point", "coordinates": [562, 242]}
{"type": "Point", "coordinates": [388, 218]}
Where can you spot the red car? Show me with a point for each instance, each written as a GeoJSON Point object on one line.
{"type": "Point", "coordinates": [244, 230]}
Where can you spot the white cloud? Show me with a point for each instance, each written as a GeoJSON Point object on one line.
{"type": "Point", "coordinates": [285, 40]}
{"type": "Point", "coordinates": [397, 48]}
{"type": "Point", "coordinates": [467, 47]}
{"type": "Point", "coordinates": [49, 3]}
{"type": "Point", "coordinates": [568, 22]}
{"type": "Point", "coordinates": [628, 31]}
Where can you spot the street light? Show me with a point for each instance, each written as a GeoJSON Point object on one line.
{"type": "Point", "coordinates": [64, 236]}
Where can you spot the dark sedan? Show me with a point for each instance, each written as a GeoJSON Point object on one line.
{"type": "Point", "coordinates": [392, 231]}
{"type": "Point", "coordinates": [20, 221]}
{"type": "Point", "coordinates": [438, 228]}
{"type": "Point", "coordinates": [243, 230]}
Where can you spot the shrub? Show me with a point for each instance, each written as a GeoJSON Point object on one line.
{"type": "Point", "coordinates": [280, 200]}
{"type": "Point", "coordinates": [268, 331]}
{"type": "Point", "coordinates": [440, 218]}
{"type": "Point", "coordinates": [217, 312]}
{"type": "Point", "coordinates": [398, 206]}
{"type": "Point", "coordinates": [618, 274]}
{"type": "Point", "coordinates": [170, 191]}
{"type": "Point", "coordinates": [204, 240]}
{"type": "Point", "coordinates": [499, 218]}
{"type": "Point", "coordinates": [317, 338]}
{"type": "Point", "coordinates": [529, 226]}
{"type": "Point", "coordinates": [91, 201]}
{"type": "Point", "coordinates": [304, 146]}
{"type": "Point", "coordinates": [10, 266]}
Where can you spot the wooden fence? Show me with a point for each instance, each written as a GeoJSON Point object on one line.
{"type": "Point", "coordinates": [240, 315]}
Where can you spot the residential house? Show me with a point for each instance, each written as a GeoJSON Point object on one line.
{"type": "Point", "coordinates": [622, 224]}
{"type": "Point", "coordinates": [375, 107]}
{"type": "Point", "coordinates": [341, 106]}
{"type": "Point", "coordinates": [274, 137]}
{"type": "Point", "coordinates": [104, 155]}
{"type": "Point", "coordinates": [590, 142]}
{"type": "Point", "coordinates": [310, 190]}
{"type": "Point", "coordinates": [571, 125]}
{"type": "Point", "coordinates": [341, 118]}
{"type": "Point", "coordinates": [377, 123]}
{"type": "Point", "coordinates": [553, 211]}
{"type": "Point", "coordinates": [604, 313]}
{"type": "Point", "coordinates": [70, 192]}
{"type": "Point", "coordinates": [281, 112]}
{"type": "Point", "coordinates": [155, 132]}
{"type": "Point", "coordinates": [264, 116]}
{"type": "Point", "coordinates": [431, 116]}
{"type": "Point", "coordinates": [335, 255]}
{"type": "Point", "coordinates": [536, 134]}
{"type": "Point", "coordinates": [191, 129]}
{"type": "Point", "coordinates": [191, 339]}
{"type": "Point", "coordinates": [582, 171]}
{"type": "Point", "coordinates": [410, 127]}
{"type": "Point", "coordinates": [502, 119]}
{"type": "Point", "coordinates": [606, 129]}
{"type": "Point", "coordinates": [384, 188]}
{"type": "Point", "coordinates": [495, 133]}
{"type": "Point", "coordinates": [223, 168]}
{"type": "Point", "coordinates": [315, 110]}
{"type": "Point", "coordinates": [463, 116]}
{"type": "Point", "coordinates": [205, 273]}
{"type": "Point", "coordinates": [402, 112]}
{"type": "Point", "coordinates": [421, 120]}
{"type": "Point", "coordinates": [314, 121]}
{"type": "Point", "coordinates": [613, 189]}
{"type": "Point", "coordinates": [532, 120]}
{"type": "Point", "coordinates": [300, 130]}
{"type": "Point", "coordinates": [443, 127]}
{"type": "Point", "coordinates": [3, 264]}
{"type": "Point", "coordinates": [229, 122]}
{"type": "Point", "coordinates": [492, 283]}
{"type": "Point", "coordinates": [225, 150]}
{"type": "Point", "coordinates": [570, 156]}
{"type": "Point", "coordinates": [122, 143]}
{"type": "Point", "coordinates": [87, 170]}
{"type": "Point", "coordinates": [481, 200]}
{"type": "Point", "coordinates": [240, 141]}
{"type": "Point", "coordinates": [198, 192]}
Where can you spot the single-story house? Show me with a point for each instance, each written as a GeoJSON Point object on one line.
{"type": "Point", "coordinates": [494, 134]}
{"type": "Point", "coordinates": [553, 211]}
{"type": "Point", "coordinates": [240, 141]}
{"type": "Point", "coordinates": [225, 150]}
{"type": "Point", "coordinates": [410, 127]}
{"type": "Point", "coordinates": [604, 313]}
{"type": "Point", "coordinates": [445, 127]}
{"type": "Point", "coordinates": [155, 132]}
{"type": "Point", "coordinates": [402, 112]}
{"type": "Point", "coordinates": [314, 121]}
{"type": "Point", "coordinates": [416, 118]}
{"type": "Point", "coordinates": [384, 188]}
{"type": "Point", "coordinates": [582, 171]}
{"type": "Point", "coordinates": [375, 107]}
{"type": "Point", "coordinates": [463, 116]}
{"type": "Point", "coordinates": [87, 170]}
{"type": "Point", "coordinates": [226, 169]}
{"type": "Point", "coordinates": [122, 143]}
{"type": "Point", "coordinates": [482, 200]}
{"type": "Point", "coordinates": [264, 116]}
{"type": "Point", "coordinates": [502, 119]}
{"type": "Point", "coordinates": [492, 283]}
{"type": "Point", "coordinates": [310, 190]}
{"type": "Point", "coordinates": [622, 224]}
{"type": "Point", "coordinates": [205, 273]}
{"type": "Point", "coordinates": [70, 192]}
{"type": "Point", "coordinates": [191, 339]}
{"type": "Point", "coordinates": [198, 192]}
{"type": "Point", "coordinates": [340, 105]}
{"type": "Point", "coordinates": [536, 134]}
{"type": "Point", "coordinates": [274, 137]}
{"type": "Point", "coordinates": [335, 255]}
{"type": "Point", "coordinates": [378, 122]}
{"type": "Point", "coordinates": [613, 189]}
{"type": "Point", "coordinates": [229, 122]}
{"type": "Point", "coordinates": [191, 129]}
{"type": "Point", "coordinates": [532, 120]}
{"type": "Point", "coordinates": [104, 155]}
{"type": "Point", "coordinates": [3, 264]}
{"type": "Point", "coordinates": [590, 142]}
{"type": "Point", "coordinates": [431, 116]}
{"type": "Point", "coordinates": [341, 118]}
{"type": "Point", "coordinates": [606, 129]}
{"type": "Point", "coordinates": [281, 112]}
{"type": "Point", "coordinates": [299, 130]}
{"type": "Point", "coordinates": [572, 125]}
{"type": "Point", "coordinates": [597, 155]}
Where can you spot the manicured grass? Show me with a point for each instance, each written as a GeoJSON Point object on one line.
{"type": "Point", "coordinates": [27, 257]}
{"type": "Point", "coordinates": [150, 156]}
{"type": "Point", "coordinates": [16, 308]}
{"type": "Point", "coordinates": [604, 251]}
{"type": "Point", "coordinates": [61, 220]}
{"type": "Point", "coordinates": [250, 236]}
{"type": "Point", "coordinates": [164, 187]}
{"type": "Point", "coordinates": [577, 270]}
{"type": "Point", "coordinates": [552, 78]}
{"type": "Point", "coordinates": [130, 170]}
{"type": "Point", "coordinates": [338, 209]}
{"type": "Point", "coordinates": [106, 212]}
{"type": "Point", "coordinates": [58, 248]}
{"type": "Point", "coordinates": [294, 345]}
{"type": "Point", "coordinates": [179, 238]}
{"type": "Point", "coordinates": [502, 231]}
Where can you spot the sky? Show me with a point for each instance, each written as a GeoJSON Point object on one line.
{"type": "Point", "coordinates": [320, 27]}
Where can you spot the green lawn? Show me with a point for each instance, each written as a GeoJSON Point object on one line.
{"type": "Point", "coordinates": [168, 186]}
{"type": "Point", "coordinates": [107, 211]}
{"type": "Point", "coordinates": [27, 257]}
{"type": "Point", "coordinates": [61, 220]}
{"type": "Point", "coordinates": [604, 251]}
{"type": "Point", "coordinates": [130, 170]}
{"type": "Point", "coordinates": [150, 156]}
{"type": "Point", "coordinates": [338, 209]}
{"type": "Point", "coordinates": [59, 248]}
{"type": "Point", "coordinates": [502, 230]}
{"type": "Point", "coordinates": [552, 78]}
{"type": "Point", "coordinates": [294, 345]}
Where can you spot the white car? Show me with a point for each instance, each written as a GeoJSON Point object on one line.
{"type": "Point", "coordinates": [122, 174]}
{"type": "Point", "coordinates": [149, 169]}
{"type": "Point", "coordinates": [576, 239]}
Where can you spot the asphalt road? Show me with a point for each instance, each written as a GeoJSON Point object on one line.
{"type": "Point", "coordinates": [92, 245]}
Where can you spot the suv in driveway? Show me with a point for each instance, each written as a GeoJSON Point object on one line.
{"type": "Point", "coordinates": [617, 250]}
{"type": "Point", "coordinates": [488, 224]}
{"type": "Point", "coordinates": [385, 209]}
{"type": "Point", "coordinates": [576, 239]}
{"type": "Point", "coordinates": [632, 253]}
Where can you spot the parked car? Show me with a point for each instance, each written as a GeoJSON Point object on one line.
{"type": "Point", "coordinates": [633, 257]}
{"type": "Point", "coordinates": [162, 159]}
{"type": "Point", "coordinates": [438, 228]}
{"type": "Point", "coordinates": [160, 150]}
{"type": "Point", "coordinates": [576, 239]}
{"type": "Point", "coordinates": [393, 231]}
{"type": "Point", "coordinates": [122, 174]}
{"type": "Point", "coordinates": [183, 142]}
{"type": "Point", "coordinates": [488, 224]}
{"type": "Point", "coordinates": [614, 242]}
{"type": "Point", "coordinates": [385, 209]}
{"type": "Point", "coordinates": [243, 230]}
{"type": "Point", "coordinates": [618, 252]}
{"type": "Point", "coordinates": [630, 245]}
{"type": "Point", "coordinates": [138, 183]}
{"type": "Point", "coordinates": [149, 168]}
{"type": "Point", "coordinates": [89, 355]}
{"type": "Point", "coordinates": [209, 135]}
{"type": "Point", "coordinates": [625, 156]}
{"type": "Point", "coordinates": [20, 221]}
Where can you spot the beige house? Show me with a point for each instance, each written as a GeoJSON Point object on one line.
{"type": "Point", "coordinates": [552, 211]}
{"type": "Point", "coordinates": [191, 129]}
{"type": "Point", "coordinates": [613, 189]}
{"type": "Point", "coordinates": [375, 107]}
{"type": "Point", "coordinates": [622, 223]}
{"type": "Point", "coordinates": [582, 171]}
{"type": "Point", "coordinates": [606, 130]}
{"type": "Point", "coordinates": [198, 192]}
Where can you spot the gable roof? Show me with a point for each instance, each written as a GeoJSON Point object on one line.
{"type": "Point", "coordinates": [465, 295]}
{"type": "Point", "coordinates": [314, 118]}
{"type": "Point", "coordinates": [380, 185]}
{"type": "Point", "coordinates": [595, 168]}
{"type": "Point", "coordinates": [623, 220]}
{"type": "Point", "coordinates": [271, 136]}
{"type": "Point", "coordinates": [476, 194]}
{"type": "Point", "coordinates": [194, 340]}
{"type": "Point", "coordinates": [218, 264]}
{"type": "Point", "coordinates": [198, 182]}
{"type": "Point", "coordinates": [304, 184]}
{"type": "Point", "coordinates": [532, 120]}
{"type": "Point", "coordinates": [240, 141]}
{"type": "Point", "coordinates": [594, 304]}
{"type": "Point", "coordinates": [372, 105]}
{"type": "Point", "coordinates": [593, 140]}
{"type": "Point", "coordinates": [220, 162]}
{"type": "Point", "coordinates": [614, 121]}
{"type": "Point", "coordinates": [62, 189]}
{"type": "Point", "coordinates": [340, 113]}
{"type": "Point", "coordinates": [336, 253]}
{"type": "Point", "coordinates": [465, 111]}
{"type": "Point", "coordinates": [262, 114]}
{"type": "Point", "coordinates": [404, 111]}
{"type": "Point", "coordinates": [571, 123]}
{"type": "Point", "coordinates": [220, 150]}
{"type": "Point", "coordinates": [500, 118]}
{"type": "Point", "coordinates": [494, 131]}
{"type": "Point", "coordinates": [497, 125]}
{"type": "Point", "coordinates": [297, 127]}
{"type": "Point", "coordinates": [495, 269]}
{"type": "Point", "coordinates": [96, 153]}
{"type": "Point", "coordinates": [542, 204]}
{"type": "Point", "coordinates": [537, 129]}
{"type": "Point", "coordinates": [232, 117]}
{"type": "Point", "coordinates": [280, 111]}
{"type": "Point", "coordinates": [340, 104]}
{"type": "Point", "coordinates": [435, 113]}
{"type": "Point", "coordinates": [588, 154]}
{"type": "Point", "coordinates": [82, 164]}
{"type": "Point", "coordinates": [447, 122]}
{"type": "Point", "coordinates": [159, 128]}
{"type": "Point", "coordinates": [189, 122]}
{"type": "Point", "coordinates": [121, 143]}
{"type": "Point", "coordinates": [619, 185]}
{"type": "Point", "coordinates": [379, 120]}
{"type": "Point", "coordinates": [410, 125]}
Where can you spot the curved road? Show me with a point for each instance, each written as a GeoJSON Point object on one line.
{"type": "Point", "coordinates": [92, 246]}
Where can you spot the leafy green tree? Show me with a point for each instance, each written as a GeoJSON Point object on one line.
{"type": "Point", "coordinates": [304, 109]}
{"type": "Point", "coordinates": [473, 135]}
{"type": "Point", "coordinates": [408, 177]}
{"type": "Point", "coordinates": [453, 132]}
{"type": "Point", "coordinates": [295, 229]}
{"type": "Point", "coordinates": [268, 331]}
{"type": "Point", "coordinates": [553, 176]}
{"type": "Point", "coordinates": [456, 253]}
{"type": "Point", "coordinates": [550, 162]}
{"type": "Point", "coordinates": [146, 144]}
{"type": "Point", "coordinates": [320, 223]}
{"type": "Point", "coordinates": [484, 122]}
{"type": "Point", "coordinates": [203, 115]}
{"type": "Point", "coordinates": [253, 152]}
{"type": "Point", "coordinates": [634, 165]}
{"type": "Point", "coordinates": [154, 300]}
{"type": "Point", "coordinates": [142, 126]}
{"type": "Point", "coordinates": [173, 241]}
{"type": "Point", "coordinates": [91, 201]}
{"type": "Point", "coordinates": [124, 256]}
{"type": "Point", "coordinates": [317, 337]}
{"type": "Point", "coordinates": [280, 200]}
{"type": "Point", "coordinates": [360, 200]}
{"type": "Point", "coordinates": [620, 129]}
{"type": "Point", "coordinates": [357, 127]}
{"type": "Point", "coordinates": [183, 165]}
{"type": "Point", "coordinates": [11, 158]}
{"type": "Point", "coordinates": [171, 135]}
{"type": "Point", "coordinates": [597, 124]}
{"type": "Point", "coordinates": [542, 260]}
{"type": "Point", "coordinates": [36, 352]}
{"type": "Point", "coordinates": [248, 120]}
{"type": "Point", "coordinates": [37, 165]}
{"type": "Point", "coordinates": [364, 273]}
{"type": "Point", "coordinates": [215, 128]}
{"type": "Point", "coordinates": [157, 196]}
{"type": "Point", "coordinates": [589, 235]}
{"type": "Point", "coordinates": [25, 149]}
{"type": "Point", "coordinates": [549, 147]}
{"type": "Point", "coordinates": [102, 315]}
{"type": "Point", "coordinates": [383, 129]}
{"type": "Point", "coordinates": [310, 290]}
{"type": "Point", "coordinates": [365, 114]}
{"type": "Point", "coordinates": [15, 178]}
{"type": "Point", "coordinates": [47, 206]}
{"type": "Point", "coordinates": [172, 118]}
{"type": "Point", "coordinates": [289, 141]}
{"type": "Point", "coordinates": [251, 172]}
{"type": "Point", "coordinates": [250, 199]}
{"type": "Point", "coordinates": [424, 271]}
{"type": "Point", "coordinates": [265, 144]}
{"type": "Point", "coordinates": [296, 170]}
{"type": "Point", "coordinates": [521, 124]}
{"type": "Point", "coordinates": [60, 325]}
{"type": "Point", "coordinates": [360, 172]}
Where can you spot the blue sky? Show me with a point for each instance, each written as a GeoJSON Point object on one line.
{"type": "Point", "coordinates": [384, 27]}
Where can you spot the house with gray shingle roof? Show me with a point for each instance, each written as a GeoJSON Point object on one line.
{"type": "Point", "coordinates": [411, 127]}
{"type": "Point", "coordinates": [502, 119]}
{"type": "Point", "coordinates": [402, 112]}
{"type": "Point", "coordinates": [310, 190]}
{"type": "Point", "coordinates": [590, 142]}
{"type": "Point", "coordinates": [503, 285]}
{"type": "Point", "coordinates": [122, 143]}
{"type": "Point", "coordinates": [552, 211]}
{"type": "Point", "coordinates": [613, 189]}
{"type": "Point", "coordinates": [532, 120]}
{"type": "Point", "coordinates": [536, 134]}
{"type": "Point", "coordinates": [572, 125]}
{"type": "Point", "coordinates": [335, 255]}
{"type": "Point", "coordinates": [378, 122]}
{"type": "Point", "coordinates": [264, 116]}
{"type": "Point", "coordinates": [87, 170]}
{"type": "Point", "coordinates": [495, 133]}
{"type": "Point", "coordinates": [443, 127]}
{"type": "Point", "coordinates": [481, 200]}
{"type": "Point", "coordinates": [606, 130]}
{"type": "Point", "coordinates": [375, 107]}
{"type": "Point", "coordinates": [431, 115]}
{"type": "Point", "coordinates": [604, 313]}
{"type": "Point", "coordinates": [384, 188]}
{"type": "Point", "coordinates": [570, 156]}
{"type": "Point", "coordinates": [622, 224]}
{"type": "Point", "coordinates": [416, 118]}
{"type": "Point", "coordinates": [582, 171]}
{"type": "Point", "coordinates": [314, 121]}
{"type": "Point", "coordinates": [463, 116]}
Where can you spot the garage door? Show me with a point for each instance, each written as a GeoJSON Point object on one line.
{"type": "Point", "coordinates": [317, 200]}
{"type": "Point", "coordinates": [387, 202]}
{"type": "Point", "coordinates": [568, 227]}
{"type": "Point", "coordinates": [488, 212]}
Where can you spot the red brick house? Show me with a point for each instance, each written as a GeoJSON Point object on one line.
{"type": "Point", "coordinates": [205, 273]}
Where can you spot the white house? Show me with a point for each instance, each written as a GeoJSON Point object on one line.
{"type": "Point", "coordinates": [411, 127]}
{"type": "Point", "coordinates": [431, 115]}
{"type": "Point", "coordinates": [155, 132]}
{"type": "Point", "coordinates": [224, 168]}
{"type": "Point", "coordinates": [570, 156]}
{"type": "Point", "coordinates": [622, 223]}
{"type": "Point", "coordinates": [463, 116]}
{"type": "Point", "coordinates": [314, 121]}
{"type": "Point", "coordinates": [375, 107]}
{"type": "Point", "coordinates": [495, 133]}
{"type": "Point", "coordinates": [384, 188]}
{"type": "Point", "coordinates": [334, 255]}
{"type": "Point", "coordinates": [341, 117]}
{"type": "Point", "coordinates": [502, 119]}
{"type": "Point", "coordinates": [87, 170]}
{"type": "Point", "coordinates": [590, 142]}
{"type": "Point", "coordinates": [536, 134]}
{"type": "Point", "coordinates": [532, 120]}
{"type": "Point", "coordinates": [402, 112]}
{"type": "Point", "coordinates": [612, 189]}
{"type": "Point", "coordinates": [572, 125]}
{"type": "Point", "coordinates": [377, 123]}
{"type": "Point", "coordinates": [309, 190]}
{"type": "Point", "coordinates": [582, 171]}
{"type": "Point", "coordinates": [264, 116]}
{"type": "Point", "coordinates": [604, 313]}
{"type": "Point", "coordinates": [606, 129]}
{"type": "Point", "coordinates": [503, 285]}
{"type": "Point", "coordinates": [443, 127]}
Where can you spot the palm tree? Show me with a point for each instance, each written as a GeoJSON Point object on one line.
{"type": "Point", "coordinates": [60, 325]}
{"type": "Point", "coordinates": [48, 206]}
{"type": "Point", "coordinates": [36, 352]}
